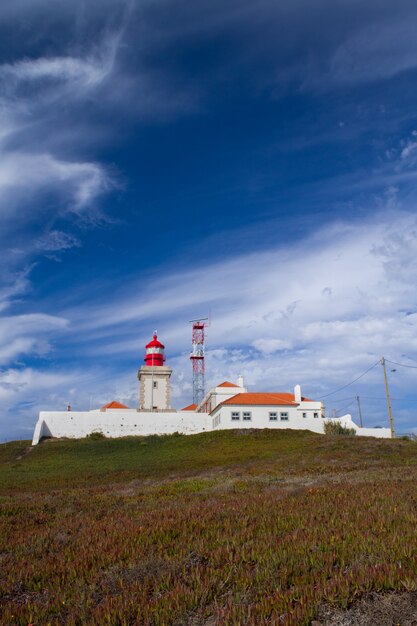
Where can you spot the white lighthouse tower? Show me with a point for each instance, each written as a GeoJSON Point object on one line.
{"type": "Point", "coordinates": [154, 379]}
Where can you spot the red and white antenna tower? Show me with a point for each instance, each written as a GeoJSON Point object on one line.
{"type": "Point", "coordinates": [197, 358]}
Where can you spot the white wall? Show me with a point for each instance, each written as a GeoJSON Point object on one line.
{"type": "Point", "coordinates": [118, 423]}
{"type": "Point", "coordinates": [124, 422]}
{"type": "Point", "coordinates": [222, 419]}
{"type": "Point", "coordinates": [347, 422]}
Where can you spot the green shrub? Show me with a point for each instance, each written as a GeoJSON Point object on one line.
{"type": "Point", "coordinates": [336, 428]}
{"type": "Point", "coordinates": [96, 434]}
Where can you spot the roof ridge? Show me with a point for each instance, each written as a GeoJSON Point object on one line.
{"type": "Point", "coordinates": [114, 404]}
{"type": "Point", "coordinates": [263, 398]}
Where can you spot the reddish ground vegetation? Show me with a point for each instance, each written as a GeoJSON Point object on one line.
{"type": "Point", "coordinates": [233, 545]}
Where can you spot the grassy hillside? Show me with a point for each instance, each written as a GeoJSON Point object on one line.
{"type": "Point", "coordinates": [85, 462]}
{"type": "Point", "coordinates": [238, 527]}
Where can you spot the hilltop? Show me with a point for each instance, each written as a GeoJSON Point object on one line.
{"type": "Point", "coordinates": [280, 454]}
{"type": "Point", "coordinates": [231, 527]}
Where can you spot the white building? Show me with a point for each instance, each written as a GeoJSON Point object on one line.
{"type": "Point", "coordinates": [227, 406]}
{"type": "Point", "coordinates": [269, 410]}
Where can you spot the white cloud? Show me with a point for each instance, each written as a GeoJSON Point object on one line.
{"type": "Point", "coordinates": [38, 96]}
{"type": "Point", "coordinates": [13, 287]}
{"type": "Point", "coordinates": [56, 240]}
{"type": "Point", "coordinates": [408, 149]}
{"type": "Point", "coordinates": [62, 69]}
{"type": "Point", "coordinates": [379, 50]}
{"type": "Point", "coordinates": [269, 345]}
{"type": "Point", "coordinates": [13, 381]}
{"type": "Point", "coordinates": [26, 335]}
{"type": "Point", "coordinates": [25, 174]}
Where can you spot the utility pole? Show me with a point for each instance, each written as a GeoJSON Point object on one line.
{"type": "Point", "coordinates": [359, 411]}
{"type": "Point", "coordinates": [334, 414]}
{"type": "Point", "coordinates": [391, 419]}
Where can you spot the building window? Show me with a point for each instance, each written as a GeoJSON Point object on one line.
{"type": "Point", "coordinates": [315, 414]}
{"type": "Point", "coordinates": [155, 384]}
{"type": "Point", "coordinates": [283, 416]}
{"type": "Point", "coordinates": [273, 416]}
{"type": "Point", "coordinates": [304, 414]}
{"type": "Point", "coordinates": [235, 416]}
{"type": "Point", "coordinates": [247, 416]}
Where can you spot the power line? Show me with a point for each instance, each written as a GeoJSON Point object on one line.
{"type": "Point", "coordinates": [353, 381]}
{"type": "Point", "coordinates": [414, 367]}
{"type": "Point", "coordinates": [379, 398]}
{"type": "Point", "coordinates": [345, 407]}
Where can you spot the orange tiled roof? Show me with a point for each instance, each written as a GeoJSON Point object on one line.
{"type": "Point", "coordinates": [227, 384]}
{"type": "Point", "coordinates": [190, 407]}
{"type": "Point", "coordinates": [264, 399]}
{"type": "Point", "coordinates": [114, 405]}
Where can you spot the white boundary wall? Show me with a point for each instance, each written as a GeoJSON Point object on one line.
{"type": "Point", "coordinates": [347, 422]}
{"type": "Point", "coordinates": [260, 418]}
{"type": "Point", "coordinates": [118, 423]}
{"type": "Point", "coordinates": [126, 422]}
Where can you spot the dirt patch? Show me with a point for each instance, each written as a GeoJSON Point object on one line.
{"type": "Point", "coordinates": [20, 595]}
{"type": "Point", "coordinates": [25, 452]}
{"type": "Point", "coordinates": [372, 609]}
{"type": "Point", "coordinates": [119, 577]}
{"type": "Point", "coordinates": [194, 559]}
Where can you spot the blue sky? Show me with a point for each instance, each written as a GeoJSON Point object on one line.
{"type": "Point", "coordinates": [160, 161]}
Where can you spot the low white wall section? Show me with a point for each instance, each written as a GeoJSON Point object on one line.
{"type": "Point", "coordinates": [347, 422]}
{"type": "Point", "coordinates": [118, 423]}
{"type": "Point", "coordinates": [297, 418]}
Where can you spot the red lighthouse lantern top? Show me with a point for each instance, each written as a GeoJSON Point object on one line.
{"type": "Point", "coordinates": [155, 352]}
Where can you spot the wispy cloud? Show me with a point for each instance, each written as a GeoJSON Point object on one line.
{"type": "Point", "coordinates": [27, 335]}
{"type": "Point", "coordinates": [315, 311]}
{"type": "Point", "coordinates": [45, 176]}
{"type": "Point", "coordinates": [22, 175]}
{"type": "Point", "coordinates": [56, 241]}
{"type": "Point", "coordinates": [379, 50]}
{"type": "Point", "coordinates": [57, 69]}
{"type": "Point", "coordinates": [13, 286]}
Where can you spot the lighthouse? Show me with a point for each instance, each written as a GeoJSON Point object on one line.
{"type": "Point", "coordinates": [154, 378]}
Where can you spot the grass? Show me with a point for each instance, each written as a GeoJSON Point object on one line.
{"type": "Point", "coordinates": [234, 527]}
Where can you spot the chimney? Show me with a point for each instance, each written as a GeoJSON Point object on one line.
{"type": "Point", "coordinates": [297, 393]}
{"type": "Point", "coordinates": [240, 382]}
